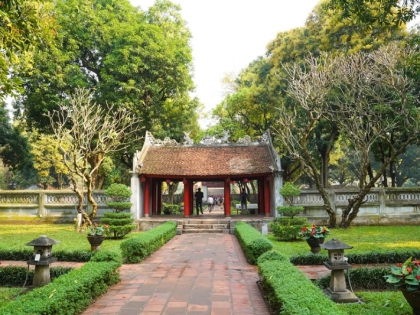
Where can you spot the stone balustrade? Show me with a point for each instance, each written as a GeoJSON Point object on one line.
{"type": "Point", "coordinates": [383, 206]}
{"type": "Point", "coordinates": [47, 205]}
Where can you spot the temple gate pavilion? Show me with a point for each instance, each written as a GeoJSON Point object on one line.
{"type": "Point", "coordinates": [210, 160]}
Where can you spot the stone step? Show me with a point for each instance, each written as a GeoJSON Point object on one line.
{"type": "Point", "coordinates": [198, 226]}
{"type": "Point", "coordinates": [191, 220]}
{"type": "Point", "coordinates": [206, 226]}
{"type": "Point", "coordinates": [224, 231]}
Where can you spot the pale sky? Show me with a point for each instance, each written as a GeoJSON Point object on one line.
{"type": "Point", "coordinates": [230, 34]}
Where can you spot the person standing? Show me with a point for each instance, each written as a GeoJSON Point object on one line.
{"type": "Point", "coordinates": [210, 202]}
{"type": "Point", "coordinates": [199, 201]}
{"type": "Point", "coordinates": [244, 201]}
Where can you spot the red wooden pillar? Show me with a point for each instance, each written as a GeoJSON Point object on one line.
{"type": "Point", "coordinates": [159, 197]}
{"type": "Point", "coordinates": [191, 190]}
{"type": "Point", "coordinates": [187, 199]}
{"type": "Point", "coordinates": [154, 196]}
{"type": "Point", "coordinates": [146, 197]}
{"type": "Point", "coordinates": [226, 201]}
{"type": "Point", "coordinates": [267, 197]}
{"type": "Point", "coordinates": [261, 195]}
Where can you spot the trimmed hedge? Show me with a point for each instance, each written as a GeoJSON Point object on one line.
{"type": "Point", "coordinates": [289, 291]}
{"type": "Point", "coordinates": [138, 247]}
{"type": "Point", "coordinates": [253, 243]}
{"type": "Point", "coordinates": [15, 276]}
{"type": "Point", "coordinates": [363, 258]}
{"type": "Point", "coordinates": [371, 278]}
{"type": "Point", "coordinates": [61, 255]}
{"type": "Point", "coordinates": [69, 294]}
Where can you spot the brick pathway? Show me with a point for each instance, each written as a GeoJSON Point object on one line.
{"type": "Point", "coordinates": [204, 274]}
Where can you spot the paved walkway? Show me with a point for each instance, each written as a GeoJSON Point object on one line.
{"type": "Point", "coordinates": [191, 274]}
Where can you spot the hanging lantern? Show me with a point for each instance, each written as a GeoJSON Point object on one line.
{"type": "Point", "coordinates": [245, 180]}
{"type": "Point", "coordinates": [168, 181]}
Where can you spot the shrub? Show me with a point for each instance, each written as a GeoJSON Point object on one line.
{"type": "Point", "coordinates": [290, 292]}
{"type": "Point", "coordinates": [362, 258]}
{"type": "Point", "coordinates": [170, 208]}
{"type": "Point", "coordinates": [69, 294]}
{"type": "Point", "coordinates": [16, 276]}
{"type": "Point", "coordinates": [61, 255]}
{"type": "Point", "coordinates": [120, 224]}
{"type": "Point", "coordinates": [119, 193]}
{"type": "Point", "coordinates": [361, 279]}
{"type": "Point", "coordinates": [138, 247]}
{"type": "Point", "coordinates": [253, 243]}
{"type": "Point", "coordinates": [287, 228]}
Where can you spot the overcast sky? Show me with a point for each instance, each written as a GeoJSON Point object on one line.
{"type": "Point", "coordinates": [229, 34]}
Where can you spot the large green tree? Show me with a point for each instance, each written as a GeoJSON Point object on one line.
{"type": "Point", "coordinates": [133, 59]}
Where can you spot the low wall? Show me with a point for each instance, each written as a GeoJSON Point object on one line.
{"type": "Point", "coordinates": [44, 205]}
{"type": "Point", "coordinates": [382, 206]}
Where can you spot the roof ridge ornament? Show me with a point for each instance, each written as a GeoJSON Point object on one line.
{"type": "Point", "coordinates": [245, 140]}
{"type": "Point", "coordinates": [207, 140]}
{"type": "Point", "coordinates": [188, 140]}
{"type": "Point", "coordinates": [153, 141]}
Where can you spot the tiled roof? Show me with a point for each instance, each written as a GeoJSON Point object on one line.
{"type": "Point", "coordinates": [200, 160]}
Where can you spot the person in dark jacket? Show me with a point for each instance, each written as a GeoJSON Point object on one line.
{"type": "Point", "coordinates": [199, 201]}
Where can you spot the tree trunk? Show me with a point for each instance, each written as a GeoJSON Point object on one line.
{"type": "Point", "coordinates": [332, 221]}
{"type": "Point", "coordinates": [171, 191]}
{"type": "Point", "coordinates": [95, 161]}
{"type": "Point", "coordinates": [89, 195]}
{"type": "Point", "coordinates": [252, 186]}
{"type": "Point", "coordinates": [79, 193]}
{"type": "Point", "coordinates": [325, 162]}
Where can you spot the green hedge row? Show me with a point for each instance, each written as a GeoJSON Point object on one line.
{"type": "Point", "coordinates": [16, 276]}
{"type": "Point", "coordinates": [371, 278]}
{"type": "Point", "coordinates": [26, 254]}
{"type": "Point", "coordinates": [289, 291]}
{"type": "Point", "coordinates": [70, 293]}
{"type": "Point", "coordinates": [363, 258]}
{"type": "Point", "coordinates": [138, 247]}
{"type": "Point", "coordinates": [253, 243]}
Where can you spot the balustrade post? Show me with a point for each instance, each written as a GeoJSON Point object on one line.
{"type": "Point", "coordinates": [332, 196]}
{"type": "Point", "coordinates": [41, 205]}
{"type": "Point", "coordinates": [382, 201]}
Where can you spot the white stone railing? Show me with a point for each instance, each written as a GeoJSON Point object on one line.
{"type": "Point", "coordinates": [54, 205]}
{"type": "Point", "coordinates": [381, 206]}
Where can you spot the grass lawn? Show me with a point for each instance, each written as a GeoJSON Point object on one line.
{"type": "Point", "coordinates": [363, 239]}
{"type": "Point", "coordinates": [16, 236]}
{"type": "Point", "coordinates": [8, 294]}
{"type": "Point", "coordinates": [379, 303]}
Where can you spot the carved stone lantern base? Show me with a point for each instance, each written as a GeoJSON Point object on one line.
{"type": "Point", "coordinates": [341, 297]}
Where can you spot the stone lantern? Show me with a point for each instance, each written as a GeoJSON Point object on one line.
{"type": "Point", "coordinates": [42, 259]}
{"type": "Point", "coordinates": [337, 264]}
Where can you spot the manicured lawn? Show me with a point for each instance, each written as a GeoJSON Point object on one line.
{"type": "Point", "coordinates": [362, 238]}
{"type": "Point", "coordinates": [16, 236]}
{"type": "Point", "coordinates": [8, 294]}
{"type": "Point", "coordinates": [379, 303]}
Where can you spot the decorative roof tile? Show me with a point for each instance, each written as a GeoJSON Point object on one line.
{"type": "Point", "coordinates": [207, 160]}
{"type": "Point", "coordinates": [210, 158]}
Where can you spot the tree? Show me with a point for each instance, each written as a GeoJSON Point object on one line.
{"type": "Point", "coordinates": [368, 96]}
{"type": "Point", "coordinates": [24, 26]}
{"type": "Point", "coordinates": [404, 11]}
{"type": "Point", "coordinates": [85, 130]}
{"type": "Point", "coordinates": [15, 152]}
{"type": "Point", "coordinates": [310, 87]}
{"type": "Point", "coordinates": [47, 160]}
{"type": "Point", "coordinates": [373, 102]}
{"type": "Point", "coordinates": [137, 60]}
{"type": "Point", "coordinates": [134, 59]}
{"type": "Point", "coordinates": [259, 93]}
